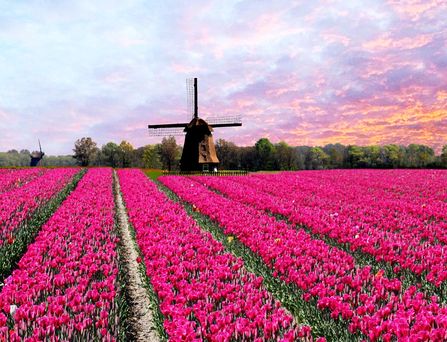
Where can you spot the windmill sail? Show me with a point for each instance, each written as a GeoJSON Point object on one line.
{"type": "Point", "coordinates": [166, 131]}
{"type": "Point", "coordinates": [224, 121]}
{"type": "Point", "coordinates": [189, 99]}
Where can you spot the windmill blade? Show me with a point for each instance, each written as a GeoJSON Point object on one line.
{"type": "Point", "coordinates": [234, 120]}
{"type": "Point", "coordinates": [189, 99]}
{"type": "Point", "coordinates": [40, 147]}
{"type": "Point", "coordinates": [166, 131]}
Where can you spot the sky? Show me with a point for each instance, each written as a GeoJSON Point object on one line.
{"type": "Point", "coordinates": [303, 72]}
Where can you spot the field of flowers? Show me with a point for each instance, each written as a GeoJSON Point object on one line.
{"type": "Point", "coordinates": [14, 179]}
{"type": "Point", "coordinates": [387, 215]}
{"type": "Point", "coordinates": [30, 201]}
{"type": "Point", "coordinates": [65, 285]}
{"type": "Point", "coordinates": [364, 209]}
{"type": "Point", "coordinates": [355, 255]}
{"type": "Point", "coordinates": [204, 293]}
{"type": "Point", "coordinates": [20, 202]}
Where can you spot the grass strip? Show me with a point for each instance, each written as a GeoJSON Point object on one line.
{"type": "Point", "coordinates": [153, 173]}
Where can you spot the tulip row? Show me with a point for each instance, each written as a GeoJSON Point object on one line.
{"type": "Point", "coordinates": [374, 305]}
{"type": "Point", "coordinates": [388, 225]}
{"type": "Point", "coordinates": [204, 292]}
{"type": "Point", "coordinates": [19, 204]}
{"type": "Point", "coordinates": [17, 178]}
{"type": "Point", "coordinates": [405, 197]}
{"type": "Point", "coordinates": [65, 284]}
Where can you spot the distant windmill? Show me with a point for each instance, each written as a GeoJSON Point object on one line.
{"type": "Point", "coordinates": [36, 156]}
{"type": "Point", "coordinates": [199, 153]}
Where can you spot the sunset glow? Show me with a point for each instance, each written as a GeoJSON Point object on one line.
{"type": "Point", "coordinates": [306, 72]}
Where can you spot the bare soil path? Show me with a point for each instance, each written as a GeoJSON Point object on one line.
{"type": "Point", "coordinates": [141, 316]}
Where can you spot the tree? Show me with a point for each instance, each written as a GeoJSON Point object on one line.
{"type": "Point", "coordinates": [110, 154]}
{"type": "Point", "coordinates": [84, 151]}
{"type": "Point", "coordinates": [284, 157]}
{"type": "Point", "coordinates": [248, 158]}
{"type": "Point", "coordinates": [58, 161]}
{"type": "Point", "coordinates": [374, 156]}
{"type": "Point", "coordinates": [126, 150]}
{"type": "Point", "coordinates": [444, 156]}
{"type": "Point", "coordinates": [169, 152]}
{"type": "Point", "coordinates": [317, 159]}
{"type": "Point", "coordinates": [265, 154]}
{"type": "Point", "coordinates": [419, 156]}
{"type": "Point", "coordinates": [393, 156]}
{"type": "Point", "coordinates": [356, 156]}
{"type": "Point", "coordinates": [336, 155]}
{"type": "Point", "coordinates": [228, 154]}
{"type": "Point", "coordinates": [301, 153]}
{"type": "Point", "coordinates": [137, 157]}
{"type": "Point", "coordinates": [151, 158]}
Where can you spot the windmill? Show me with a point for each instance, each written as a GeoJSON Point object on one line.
{"type": "Point", "coordinates": [199, 153]}
{"type": "Point", "coordinates": [36, 156]}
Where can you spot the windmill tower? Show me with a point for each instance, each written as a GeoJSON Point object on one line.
{"type": "Point", "coordinates": [199, 153]}
{"type": "Point", "coordinates": [36, 156]}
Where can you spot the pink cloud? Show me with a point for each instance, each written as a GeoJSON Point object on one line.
{"type": "Point", "coordinates": [416, 9]}
{"type": "Point", "coordinates": [386, 41]}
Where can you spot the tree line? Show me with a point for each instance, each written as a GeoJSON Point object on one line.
{"type": "Point", "coordinates": [22, 158]}
{"type": "Point", "coordinates": [264, 155]}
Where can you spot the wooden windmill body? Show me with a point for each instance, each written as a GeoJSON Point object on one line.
{"type": "Point", "coordinates": [199, 152]}
{"type": "Point", "coordinates": [36, 156]}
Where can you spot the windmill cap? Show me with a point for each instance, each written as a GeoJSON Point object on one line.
{"type": "Point", "coordinates": [37, 154]}
{"type": "Point", "coordinates": [198, 123]}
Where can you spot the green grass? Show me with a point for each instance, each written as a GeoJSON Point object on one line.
{"type": "Point", "coordinates": [153, 173]}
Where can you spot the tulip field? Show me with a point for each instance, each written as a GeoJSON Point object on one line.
{"type": "Point", "coordinates": [337, 255]}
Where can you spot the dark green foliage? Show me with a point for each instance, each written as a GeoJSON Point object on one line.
{"type": "Point", "coordinates": [265, 152]}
